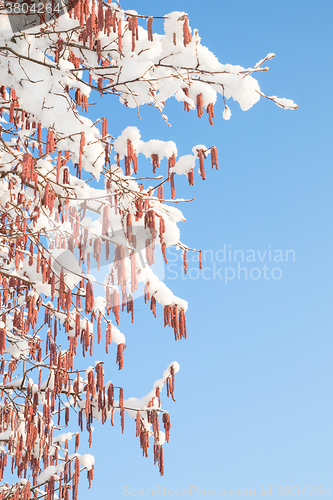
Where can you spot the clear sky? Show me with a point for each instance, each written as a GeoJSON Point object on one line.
{"type": "Point", "coordinates": [254, 393]}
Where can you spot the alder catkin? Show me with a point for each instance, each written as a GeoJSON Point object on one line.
{"type": "Point", "coordinates": [150, 29]}
{"type": "Point", "coordinates": [2, 340]}
{"type": "Point", "coordinates": [201, 164]}
{"type": "Point", "coordinates": [214, 157]}
{"type": "Point", "coordinates": [186, 32]}
{"type": "Point", "coordinates": [190, 177]}
{"type": "Point", "coordinates": [99, 328]}
{"type": "Point", "coordinates": [199, 105]}
{"type": "Point", "coordinates": [138, 424]}
{"type": "Point", "coordinates": [172, 184]}
{"type": "Point", "coordinates": [210, 111]}
{"type": "Point", "coordinates": [185, 261]}
{"type": "Point", "coordinates": [186, 104]}
{"type": "Point", "coordinates": [120, 359]}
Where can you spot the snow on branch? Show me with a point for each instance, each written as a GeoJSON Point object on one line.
{"type": "Point", "coordinates": [74, 200]}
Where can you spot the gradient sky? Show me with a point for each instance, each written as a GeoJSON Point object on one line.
{"type": "Point", "coordinates": [254, 393]}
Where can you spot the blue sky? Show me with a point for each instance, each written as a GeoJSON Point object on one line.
{"type": "Point", "coordinates": [254, 393]}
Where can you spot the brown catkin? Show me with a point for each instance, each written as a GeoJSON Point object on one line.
{"type": "Point", "coordinates": [108, 337]}
{"type": "Point", "coordinates": [106, 221]}
{"type": "Point", "coordinates": [129, 227]}
{"type": "Point", "coordinates": [161, 464]}
{"type": "Point", "coordinates": [121, 406]}
{"type": "Point", "coordinates": [155, 161]}
{"type": "Point", "coordinates": [130, 308]}
{"type": "Point", "coordinates": [78, 97]}
{"type": "Point", "coordinates": [138, 424]}
{"type": "Point", "coordinates": [11, 113]}
{"type": "Point", "coordinates": [190, 177]}
{"type": "Point", "coordinates": [62, 289]}
{"type": "Point", "coordinates": [150, 29]}
{"type": "Point", "coordinates": [171, 163]}
{"type": "Point", "coordinates": [50, 142]}
{"type": "Point", "coordinates": [100, 16]}
{"type": "Point", "coordinates": [99, 328]}
{"type": "Point", "coordinates": [182, 324]}
{"type": "Point", "coordinates": [120, 358]}
{"type": "Point", "coordinates": [210, 111]}
{"type": "Point", "coordinates": [186, 32]}
{"type": "Point", "coordinates": [167, 425]}
{"type": "Point", "coordinates": [58, 166]}
{"type": "Point", "coordinates": [214, 157]}
{"type": "Point", "coordinates": [186, 104]}
{"type": "Point", "coordinates": [164, 252]}
{"type": "Point", "coordinates": [82, 142]}
{"type": "Point", "coordinates": [134, 283]}
{"type": "Point", "coordinates": [89, 297]}
{"type": "Point", "coordinates": [199, 105]}
{"type": "Point", "coordinates": [162, 229]}
{"type": "Point", "coordinates": [99, 379]}
{"type": "Point", "coordinates": [104, 127]}
{"type": "Point", "coordinates": [110, 394]}
{"type": "Point", "coordinates": [175, 322]}
{"type": "Point", "coordinates": [2, 340]}
{"type": "Point", "coordinates": [172, 184]}
{"type": "Point", "coordinates": [84, 103]}
{"type": "Point", "coordinates": [201, 164]}
{"type": "Point", "coordinates": [158, 395]}
{"type": "Point", "coordinates": [153, 305]}
{"type": "Point", "coordinates": [185, 261]}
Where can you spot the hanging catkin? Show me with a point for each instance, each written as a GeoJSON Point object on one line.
{"type": "Point", "coordinates": [150, 29]}
{"type": "Point", "coordinates": [214, 158]}
{"type": "Point", "coordinates": [199, 103]}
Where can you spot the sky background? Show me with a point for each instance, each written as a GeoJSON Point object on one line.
{"type": "Point", "coordinates": [254, 392]}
